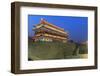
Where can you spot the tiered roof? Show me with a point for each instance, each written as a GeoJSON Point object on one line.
{"type": "Point", "coordinates": [50, 26]}
{"type": "Point", "coordinates": [47, 23]}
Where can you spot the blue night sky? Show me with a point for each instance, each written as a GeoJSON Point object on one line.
{"type": "Point", "coordinates": [77, 27]}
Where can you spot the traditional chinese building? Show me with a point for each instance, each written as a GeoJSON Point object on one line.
{"type": "Point", "coordinates": [45, 31]}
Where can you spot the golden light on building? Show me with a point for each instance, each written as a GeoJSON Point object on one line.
{"type": "Point", "coordinates": [45, 31]}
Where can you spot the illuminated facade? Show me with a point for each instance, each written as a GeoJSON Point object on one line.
{"type": "Point", "coordinates": [44, 31]}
